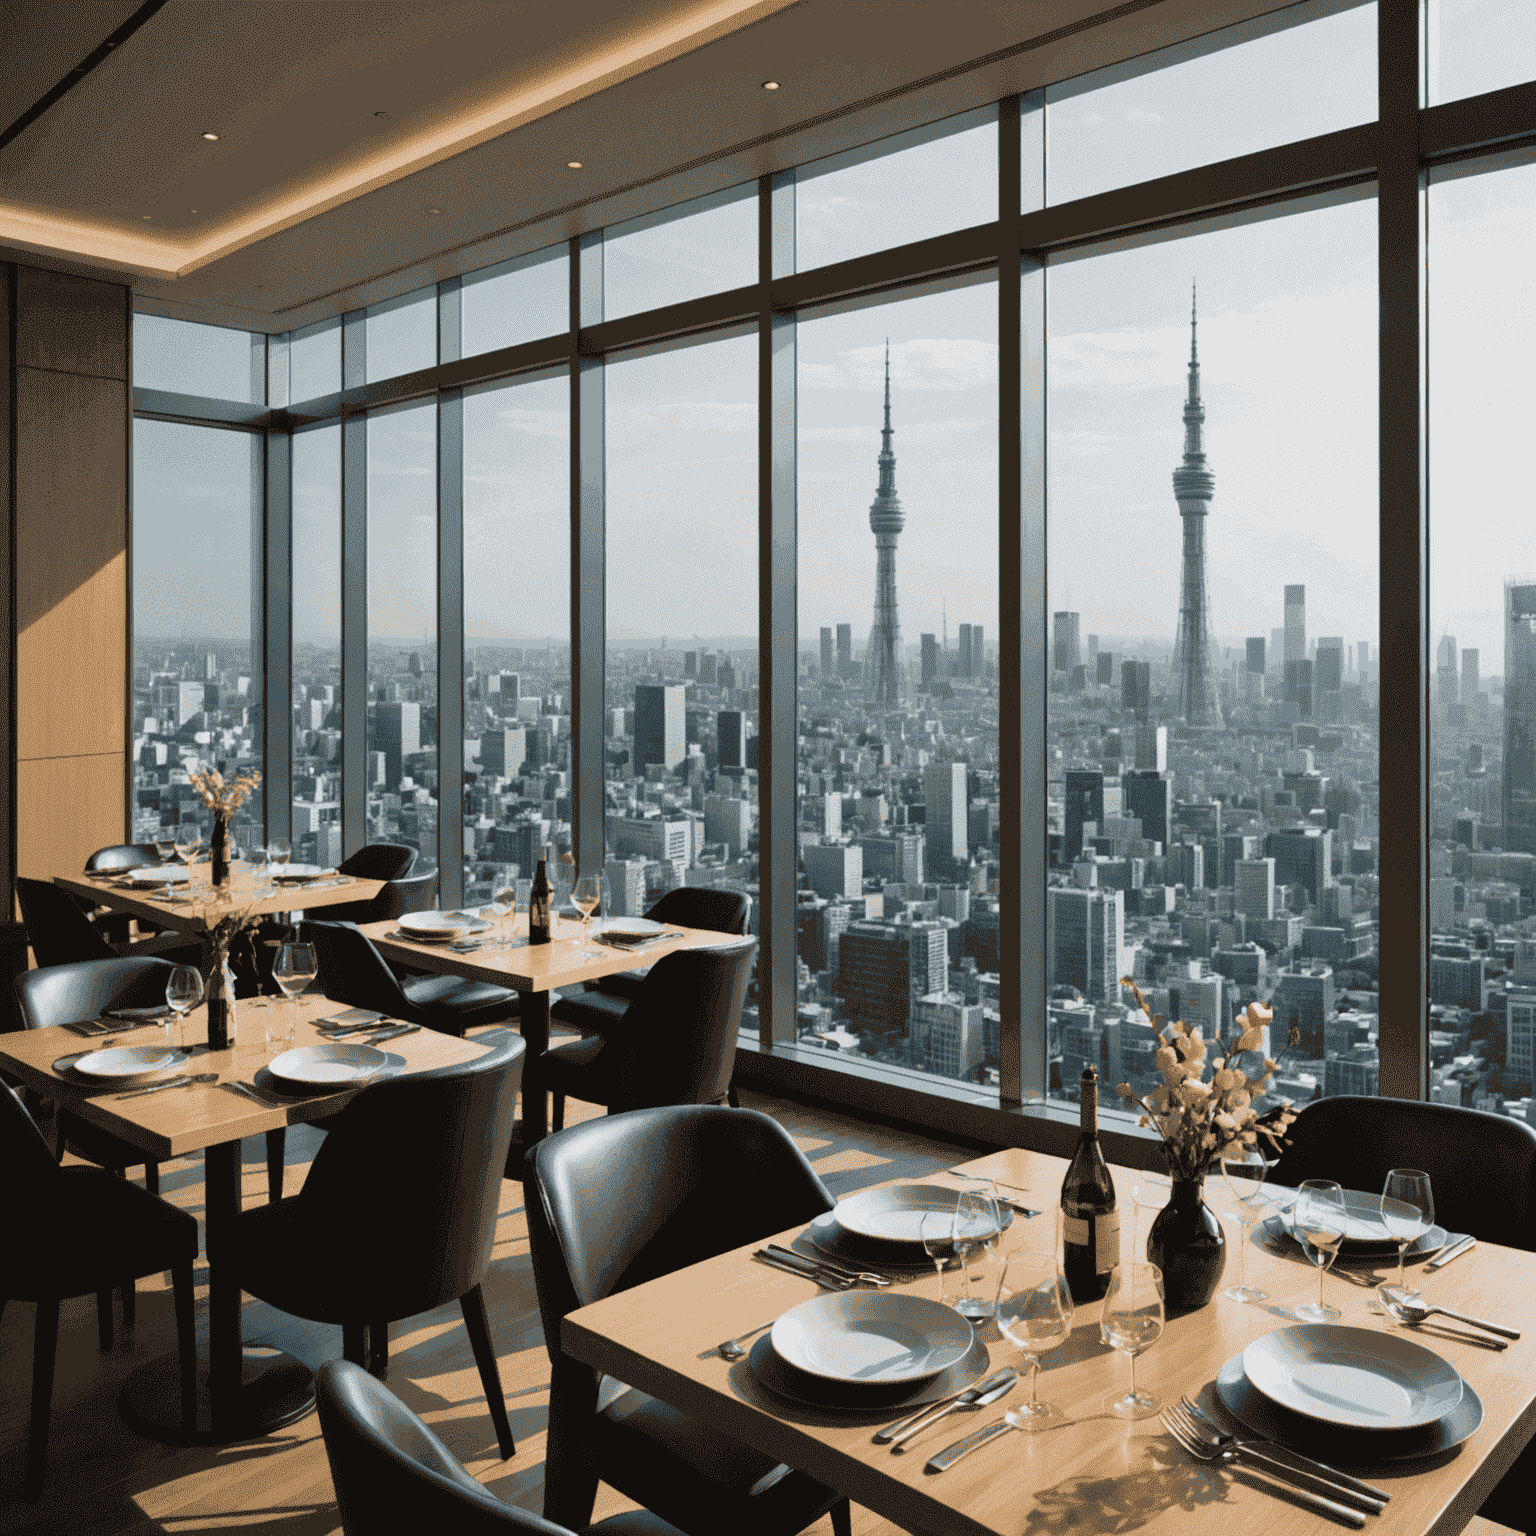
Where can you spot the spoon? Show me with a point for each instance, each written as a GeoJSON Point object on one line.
{"type": "Point", "coordinates": [732, 1349]}
{"type": "Point", "coordinates": [173, 1082]}
{"type": "Point", "coordinates": [1406, 1309]}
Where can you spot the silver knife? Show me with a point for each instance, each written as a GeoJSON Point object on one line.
{"type": "Point", "coordinates": [1455, 1251]}
{"type": "Point", "coordinates": [814, 1268]}
{"type": "Point", "coordinates": [867, 1276]}
{"type": "Point", "coordinates": [172, 1082]}
{"type": "Point", "coordinates": [820, 1276]}
{"type": "Point", "coordinates": [984, 1392]}
{"type": "Point", "coordinates": [952, 1453]}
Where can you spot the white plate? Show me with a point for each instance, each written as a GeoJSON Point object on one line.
{"type": "Point", "coordinates": [868, 1336]}
{"type": "Point", "coordinates": [438, 925]}
{"type": "Point", "coordinates": [282, 872]}
{"type": "Point", "coordinates": [631, 928]}
{"type": "Point", "coordinates": [125, 1062]}
{"type": "Point", "coordinates": [328, 1065]}
{"type": "Point", "coordinates": [1352, 1376]}
{"type": "Point", "coordinates": [169, 874]}
{"type": "Point", "coordinates": [1362, 1221]}
{"type": "Point", "coordinates": [895, 1214]}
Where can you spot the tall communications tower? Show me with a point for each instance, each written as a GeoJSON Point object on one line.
{"type": "Point", "coordinates": [1194, 694]}
{"type": "Point", "coordinates": [884, 676]}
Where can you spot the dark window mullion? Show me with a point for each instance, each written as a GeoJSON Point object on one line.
{"type": "Point", "coordinates": [354, 595]}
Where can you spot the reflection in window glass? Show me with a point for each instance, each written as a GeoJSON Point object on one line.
{"type": "Point", "coordinates": [703, 247]}
{"type": "Point", "coordinates": [316, 560]}
{"type": "Point", "coordinates": [208, 360]}
{"type": "Point", "coordinates": [402, 335]}
{"type": "Point", "coordinates": [1213, 743]}
{"type": "Point", "coordinates": [517, 627]}
{"type": "Point", "coordinates": [682, 673]}
{"type": "Point", "coordinates": [1479, 45]}
{"type": "Point", "coordinates": [196, 675]}
{"type": "Point", "coordinates": [314, 362]}
{"type": "Point", "coordinates": [515, 301]}
{"type": "Point", "coordinates": [1154, 117]}
{"type": "Point", "coordinates": [402, 629]}
{"type": "Point", "coordinates": [909, 188]}
{"type": "Point", "coordinates": [898, 773]}
{"type": "Point", "coordinates": [1483, 639]}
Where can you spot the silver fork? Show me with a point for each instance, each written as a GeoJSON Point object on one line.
{"type": "Point", "coordinates": [732, 1350]}
{"type": "Point", "coordinates": [1177, 1424]}
{"type": "Point", "coordinates": [1208, 1429]}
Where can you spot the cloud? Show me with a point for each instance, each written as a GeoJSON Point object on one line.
{"type": "Point", "coordinates": [536, 423]}
{"type": "Point", "coordinates": [922, 434]}
{"type": "Point", "coordinates": [925, 363]}
{"type": "Point", "coordinates": [715, 416]}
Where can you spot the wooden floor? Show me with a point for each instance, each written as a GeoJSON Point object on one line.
{"type": "Point", "coordinates": [103, 1478]}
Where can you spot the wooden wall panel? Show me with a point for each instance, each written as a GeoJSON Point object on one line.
{"type": "Point", "coordinates": [66, 808]}
{"type": "Point", "coordinates": [71, 324]}
{"type": "Point", "coordinates": [71, 564]}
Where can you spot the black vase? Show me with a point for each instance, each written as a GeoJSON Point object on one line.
{"type": "Point", "coordinates": [1186, 1243]}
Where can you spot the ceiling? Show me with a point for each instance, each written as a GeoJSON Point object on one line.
{"type": "Point", "coordinates": [368, 147]}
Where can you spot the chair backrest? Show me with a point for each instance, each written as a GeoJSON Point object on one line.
{"type": "Point", "coordinates": [71, 994]}
{"type": "Point", "coordinates": [351, 970]}
{"type": "Point", "coordinates": [412, 893]}
{"type": "Point", "coordinates": [702, 906]}
{"type": "Point", "coordinates": [391, 1473]}
{"type": "Point", "coordinates": [1482, 1167]}
{"type": "Point", "coordinates": [121, 856]}
{"type": "Point", "coordinates": [678, 1043]}
{"type": "Point", "coordinates": [409, 1177]}
{"type": "Point", "coordinates": [24, 1153]}
{"type": "Point", "coordinates": [58, 931]}
{"type": "Point", "coordinates": [379, 861]}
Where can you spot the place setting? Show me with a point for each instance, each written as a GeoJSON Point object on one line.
{"type": "Point", "coordinates": [456, 929]}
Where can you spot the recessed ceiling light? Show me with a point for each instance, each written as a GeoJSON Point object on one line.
{"type": "Point", "coordinates": [770, 85]}
{"type": "Point", "coordinates": [212, 138]}
{"type": "Point", "coordinates": [574, 165]}
{"type": "Point", "coordinates": [191, 210]}
{"type": "Point", "coordinates": [146, 217]}
{"type": "Point", "coordinates": [434, 210]}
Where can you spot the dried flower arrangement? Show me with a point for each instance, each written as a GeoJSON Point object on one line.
{"type": "Point", "coordinates": [222, 798]}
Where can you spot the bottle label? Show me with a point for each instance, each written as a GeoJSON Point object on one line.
{"type": "Point", "coordinates": [1100, 1233]}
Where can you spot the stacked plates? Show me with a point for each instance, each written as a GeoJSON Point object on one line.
{"type": "Point", "coordinates": [126, 1063]}
{"type": "Point", "coordinates": [1349, 1396]}
{"type": "Point", "coordinates": [440, 927]}
{"type": "Point", "coordinates": [297, 874]}
{"type": "Point", "coordinates": [150, 876]}
{"type": "Point", "coordinates": [1365, 1238]}
{"type": "Point", "coordinates": [314, 1068]}
{"type": "Point", "coordinates": [883, 1226]}
{"type": "Point", "coordinates": [626, 932]}
{"type": "Point", "coordinates": [868, 1351]}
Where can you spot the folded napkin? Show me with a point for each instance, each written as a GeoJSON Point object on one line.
{"type": "Point", "coordinates": [139, 1015]}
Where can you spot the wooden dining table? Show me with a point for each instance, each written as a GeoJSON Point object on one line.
{"type": "Point", "coordinates": [1096, 1475]}
{"type": "Point", "coordinates": [245, 1388]}
{"type": "Point", "coordinates": [534, 971]}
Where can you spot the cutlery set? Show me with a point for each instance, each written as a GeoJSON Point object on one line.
{"type": "Point", "coordinates": [832, 1276]}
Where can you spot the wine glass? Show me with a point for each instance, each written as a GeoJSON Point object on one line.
{"type": "Point", "coordinates": [977, 1228]}
{"type": "Point", "coordinates": [1317, 1219]}
{"type": "Point", "coordinates": [279, 851]}
{"type": "Point", "coordinates": [937, 1231]}
{"type": "Point", "coordinates": [1034, 1309]}
{"type": "Point", "coordinates": [1407, 1209]}
{"type": "Point", "coordinates": [293, 970]}
{"type": "Point", "coordinates": [165, 847]}
{"type": "Point", "coordinates": [1132, 1320]}
{"type": "Point", "coordinates": [503, 905]}
{"type": "Point", "coordinates": [1152, 1193]}
{"type": "Point", "coordinates": [1245, 1169]}
{"type": "Point", "coordinates": [585, 896]}
{"type": "Point", "coordinates": [183, 992]}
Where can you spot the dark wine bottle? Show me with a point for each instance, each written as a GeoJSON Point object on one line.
{"type": "Point", "coordinates": [538, 907]}
{"type": "Point", "coordinates": [1090, 1225]}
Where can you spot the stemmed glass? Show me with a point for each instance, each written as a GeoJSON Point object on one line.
{"type": "Point", "coordinates": [1132, 1321]}
{"type": "Point", "coordinates": [1317, 1219]}
{"type": "Point", "coordinates": [937, 1231]}
{"type": "Point", "coordinates": [503, 904]}
{"type": "Point", "coordinates": [1407, 1209]}
{"type": "Point", "coordinates": [165, 847]}
{"type": "Point", "coordinates": [293, 970]}
{"type": "Point", "coordinates": [183, 992]}
{"type": "Point", "coordinates": [977, 1228]}
{"type": "Point", "coordinates": [1245, 1170]}
{"type": "Point", "coordinates": [585, 896]}
{"type": "Point", "coordinates": [1034, 1309]}
{"type": "Point", "coordinates": [279, 851]}
{"type": "Point", "coordinates": [1152, 1193]}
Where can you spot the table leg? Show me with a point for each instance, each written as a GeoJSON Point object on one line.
{"type": "Point", "coordinates": [533, 1022]}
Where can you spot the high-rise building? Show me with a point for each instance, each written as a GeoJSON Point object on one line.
{"type": "Point", "coordinates": [946, 1035]}
{"type": "Point", "coordinates": [826, 653]}
{"type": "Point", "coordinates": [1136, 688]}
{"type": "Point", "coordinates": [1192, 687]}
{"type": "Point", "coordinates": [1328, 668]}
{"type": "Point", "coordinates": [1446, 681]}
{"type": "Point", "coordinates": [626, 887]}
{"type": "Point", "coordinates": [963, 660]}
{"type": "Point", "coordinates": [394, 730]}
{"type": "Point", "coordinates": [834, 870]}
{"type": "Point", "coordinates": [1362, 659]}
{"type": "Point", "coordinates": [978, 651]}
{"type": "Point", "coordinates": [845, 650]}
{"type": "Point", "coordinates": [884, 675]}
{"type": "Point", "coordinates": [1254, 888]}
{"type": "Point", "coordinates": [1304, 996]}
{"type": "Point", "coordinates": [1152, 747]}
{"type": "Point", "coordinates": [1256, 653]}
{"type": "Point", "coordinates": [1295, 623]}
{"type": "Point", "coordinates": [1084, 936]}
{"type": "Point", "coordinates": [882, 967]}
{"type": "Point", "coordinates": [1519, 794]}
{"type": "Point", "coordinates": [728, 820]}
{"type": "Point", "coordinates": [1470, 682]}
{"type": "Point", "coordinates": [930, 664]}
{"type": "Point", "coordinates": [661, 734]}
{"type": "Point", "coordinates": [945, 821]}
{"type": "Point", "coordinates": [1519, 1032]}
{"type": "Point", "coordinates": [1084, 802]}
{"type": "Point", "coordinates": [1235, 847]}
{"type": "Point", "coordinates": [1064, 642]}
{"type": "Point", "coordinates": [1149, 796]}
{"type": "Point", "coordinates": [731, 732]}
{"type": "Point", "coordinates": [1298, 685]}
{"type": "Point", "coordinates": [1303, 856]}
{"type": "Point", "coordinates": [503, 752]}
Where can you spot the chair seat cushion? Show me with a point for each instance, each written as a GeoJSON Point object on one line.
{"type": "Point", "coordinates": [577, 1069]}
{"type": "Point", "coordinates": [100, 1230]}
{"type": "Point", "coordinates": [625, 984]}
{"type": "Point", "coordinates": [687, 1472]}
{"type": "Point", "coordinates": [593, 1013]}
{"type": "Point", "coordinates": [453, 1004]}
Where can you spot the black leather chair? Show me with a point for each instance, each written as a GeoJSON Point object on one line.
{"type": "Point", "coordinates": [678, 1043]}
{"type": "Point", "coordinates": [1482, 1167]}
{"type": "Point", "coordinates": [598, 1009]}
{"type": "Point", "coordinates": [71, 1231]}
{"type": "Point", "coordinates": [397, 1214]}
{"type": "Point", "coordinates": [58, 931]}
{"type": "Point", "coordinates": [379, 861]}
{"type": "Point", "coordinates": [353, 972]}
{"type": "Point", "coordinates": [615, 1202]}
{"type": "Point", "coordinates": [410, 893]}
{"type": "Point", "coordinates": [114, 926]}
{"type": "Point", "coordinates": [391, 1473]}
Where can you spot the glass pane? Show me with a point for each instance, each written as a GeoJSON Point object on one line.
{"type": "Point", "coordinates": [206, 360]}
{"type": "Point", "coordinates": [898, 772]}
{"type": "Point", "coordinates": [402, 335]}
{"type": "Point", "coordinates": [1213, 744]}
{"type": "Point", "coordinates": [903, 189]}
{"type": "Point", "coordinates": [703, 247]}
{"type": "Point", "coordinates": [517, 626]}
{"type": "Point", "coordinates": [681, 692]}
{"type": "Point", "coordinates": [1479, 45]}
{"type": "Point", "coordinates": [1221, 96]}
{"type": "Point", "coordinates": [316, 560]}
{"type": "Point", "coordinates": [1482, 857]}
{"type": "Point", "coordinates": [515, 301]}
{"type": "Point", "coordinates": [314, 362]}
{"type": "Point", "coordinates": [402, 629]}
{"type": "Point", "coordinates": [196, 695]}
